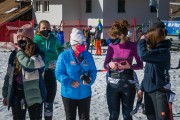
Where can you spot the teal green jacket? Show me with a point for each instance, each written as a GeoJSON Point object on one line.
{"type": "Point", "coordinates": [31, 76]}
{"type": "Point", "coordinates": [50, 47]}
{"type": "Point", "coordinates": [33, 73]}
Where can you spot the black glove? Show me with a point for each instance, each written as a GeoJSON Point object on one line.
{"type": "Point", "coordinates": [86, 78]}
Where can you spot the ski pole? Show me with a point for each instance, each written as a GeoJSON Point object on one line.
{"type": "Point", "coordinates": [102, 70]}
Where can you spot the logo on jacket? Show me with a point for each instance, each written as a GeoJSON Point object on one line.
{"type": "Point", "coordinates": [72, 62]}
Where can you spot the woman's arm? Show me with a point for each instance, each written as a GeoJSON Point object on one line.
{"type": "Point", "coordinates": [108, 57]}
{"type": "Point", "coordinates": [154, 56]}
{"type": "Point", "coordinates": [33, 62]}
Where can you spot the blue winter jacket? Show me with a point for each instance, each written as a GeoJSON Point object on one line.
{"type": "Point", "coordinates": [68, 70]}
{"type": "Point", "coordinates": [156, 74]}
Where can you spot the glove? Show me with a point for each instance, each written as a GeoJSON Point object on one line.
{"type": "Point", "coordinates": [86, 78]}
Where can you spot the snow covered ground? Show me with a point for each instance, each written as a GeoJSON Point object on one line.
{"type": "Point", "coordinates": [99, 109]}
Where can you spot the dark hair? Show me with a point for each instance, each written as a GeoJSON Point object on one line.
{"type": "Point", "coordinates": [118, 27]}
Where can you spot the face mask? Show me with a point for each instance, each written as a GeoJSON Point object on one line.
{"type": "Point", "coordinates": [22, 44]}
{"type": "Point", "coordinates": [45, 33]}
{"type": "Point", "coordinates": [115, 41]}
{"type": "Point", "coordinates": [80, 48]}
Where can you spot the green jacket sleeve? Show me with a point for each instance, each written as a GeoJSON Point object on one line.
{"type": "Point", "coordinates": [40, 42]}
{"type": "Point", "coordinates": [33, 62]}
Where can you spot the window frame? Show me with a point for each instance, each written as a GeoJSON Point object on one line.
{"type": "Point", "coordinates": [88, 6]}
{"type": "Point", "coordinates": [121, 6]}
{"type": "Point", "coordinates": [38, 6]}
{"type": "Point", "coordinates": [46, 6]}
{"type": "Point", "coordinates": [153, 9]}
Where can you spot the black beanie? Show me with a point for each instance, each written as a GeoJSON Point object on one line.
{"type": "Point", "coordinates": [156, 23]}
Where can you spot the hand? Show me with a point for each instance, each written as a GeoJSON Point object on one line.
{"type": "Point", "coordinates": [145, 37]}
{"type": "Point", "coordinates": [75, 84]}
{"type": "Point", "coordinates": [125, 66]}
{"type": "Point", "coordinates": [139, 94]}
{"type": "Point", "coordinates": [5, 102]}
{"type": "Point", "coordinates": [113, 65]}
{"type": "Point", "coordinates": [52, 65]}
{"type": "Point", "coordinates": [17, 47]}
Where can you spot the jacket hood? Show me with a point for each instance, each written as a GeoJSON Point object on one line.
{"type": "Point", "coordinates": [164, 44]}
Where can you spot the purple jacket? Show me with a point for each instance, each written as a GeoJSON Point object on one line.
{"type": "Point", "coordinates": [120, 52]}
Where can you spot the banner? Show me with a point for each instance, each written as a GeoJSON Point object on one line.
{"type": "Point", "coordinates": [173, 27]}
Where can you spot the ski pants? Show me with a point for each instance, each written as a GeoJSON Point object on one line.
{"type": "Point", "coordinates": [156, 105]}
{"type": "Point", "coordinates": [98, 47]}
{"type": "Point", "coordinates": [51, 87]}
{"type": "Point", "coordinates": [71, 105]}
{"type": "Point", "coordinates": [125, 95]}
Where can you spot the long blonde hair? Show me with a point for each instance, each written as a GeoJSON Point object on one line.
{"type": "Point", "coordinates": [29, 51]}
{"type": "Point", "coordinates": [154, 37]}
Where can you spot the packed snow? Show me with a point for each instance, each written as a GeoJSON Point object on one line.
{"type": "Point", "coordinates": [99, 108]}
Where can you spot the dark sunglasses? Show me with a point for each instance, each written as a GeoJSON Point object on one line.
{"type": "Point", "coordinates": [81, 42]}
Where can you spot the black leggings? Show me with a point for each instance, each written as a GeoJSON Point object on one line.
{"type": "Point", "coordinates": [71, 106]}
{"type": "Point", "coordinates": [51, 87]}
{"type": "Point", "coordinates": [19, 113]}
{"type": "Point", "coordinates": [124, 94]}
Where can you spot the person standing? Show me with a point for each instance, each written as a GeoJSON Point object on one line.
{"type": "Point", "coordinates": [120, 75]}
{"type": "Point", "coordinates": [76, 71]}
{"type": "Point", "coordinates": [154, 50]}
{"type": "Point", "coordinates": [97, 37]}
{"type": "Point", "coordinates": [51, 48]}
{"type": "Point", "coordinates": [24, 87]}
{"type": "Point", "coordinates": [87, 34]}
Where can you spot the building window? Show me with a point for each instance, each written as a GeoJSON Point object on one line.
{"type": "Point", "coordinates": [153, 9]}
{"type": "Point", "coordinates": [88, 6]}
{"type": "Point", "coordinates": [38, 6]}
{"type": "Point", "coordinates": [121, 6]}
{"type": "Point", "coordinates": [46, 6]}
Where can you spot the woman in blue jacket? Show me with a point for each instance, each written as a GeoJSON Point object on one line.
{"type": "Point", "coordinates": [154, 50]}
{"type": "Point", "coordinates": [76, 71]}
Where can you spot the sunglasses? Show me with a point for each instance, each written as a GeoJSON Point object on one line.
{"type": "Point", "coordinates": [81, 42]}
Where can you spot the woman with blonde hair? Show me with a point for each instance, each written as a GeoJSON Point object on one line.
{"type": "Point", "coordinates": [154, 50]}
{"type": "Point", "coordinates": [120, 76]}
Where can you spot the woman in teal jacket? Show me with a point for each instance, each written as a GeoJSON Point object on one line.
{"type": "Point", "coordinates": [76, 71]}
{"type": "Point", "coordinates": [51, 48]}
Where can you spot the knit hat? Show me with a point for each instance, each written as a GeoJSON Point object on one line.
{"type": "Point", "coordinates": [156, 23]}
{"type": "Point", "coordinates": [27, 31]}
{"type": "Point", "coordinates": [77, 36]}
